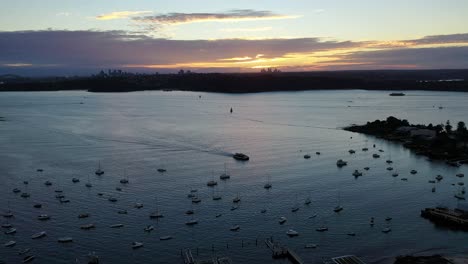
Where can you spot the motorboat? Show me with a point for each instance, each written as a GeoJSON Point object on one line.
{"type": "Point", "coordinates": [395, 174]}
{"type": "Point", "coordinates": [340, 163]}
{"type": "Point", "coordinates": [39, 235]}
{"type": "Point", "coordinates": [307, 201]}
{"type": "Point", "coordinates": [460, 175]}
{"type": "Point", "coordinates": [122, 212]}
{"type": "Point", "coordinates": [404, 179]}
{"type": "Point", "coordinates": [24, 251]}
{"type": "Point", "coordinates": [306, 156]}
{"type": "Point", "coordinates": [317, 153]}
{"type": "Point", "coordinates": [65, 240]}
{"type": "Point", "coordinates": [7, 225]}
{"type": "Point", "coordinates": [351, 151]}
{"type": "Point", "coordinates": [149, 228]}
{"type": "Point", "coordinates": [321, 229]}
{"type": "Point", "coordinates": [89, 185]}
{"type": "Point", "coordinates": [196, 200]}
{"type": "Point", "coordinates": [234, 228]}
{"type": "Point", "coordinates": [136, 245]}
{"type": "Point", "coordinates": [439, 177]}
{"type": "Point", "coordinates": [10, 243]}
{"type": "Point", "coordinates": [432, 181]}
{"type": "Point", "coordinates": [234, 207]}
{"type": "Point", "coordinates": [112, 199]}
{"type": "Point", "coordinates": [189, 212]}
{"type": "Point", "coordinates": [118, 189]}
{"type": "Point", "coordinates": [389, 168]}
{"type": "Point", "coordinates": [87, 227]}
{"type": "Point", "coordinates": [240, 156]}
{"type": "Point", "coordinates": [10, 231]}
{"type": "Point", "coordinates": [413, 171]}
{"type": "Point", "coordinates": [282, 220]}
{"type": "Point", "coordinates": [236, 199]}
{"type": "Point", "coordinates": [47, 183]}
{"type": "Point", "coordinates": [25, 182]}
{"type": "Point", "coordinates": [389, 161]}
{"type": "Point", "coordinates": [63, 200]}
{"type": "Point", "coordinates": [386, 230]}
{"type": "Point", "coordinates": [366, 168]}
{"type": "Point", "coordinates": [459, 196]}
{"type": "Point", "coordinates": [267, 186]}
{"type": "Point", "coordinates": [351, 234]}
{"type": "Point", "coordinates": [310, 246]}
{"type": "Point", "coordinates": [292, 233]}
{"type": "Point", "coordinates": [376, 156]}
{"type": "Point", "coordinates": [263, 211]}
{"type": "Point", "coordinates": [365, 149]}
{"type": "Point", "coordinates": [28, 258]}
{"type": "Point", "coordinates": [16, 190]}
{"type": "Point", "coordinates": [211, 183]}
{"type": "Point", "coordinates": [156, 215]}
{"type": "Point", "coordinates": [43, 217]}
{"type": "Point", "coordinates": [357, 173]}
{"type": "Point", "coordinates": [75, 180]}
{"type": "Point", "coordinates": [84, 215]}
{"type": "Point", "coordinates": [192, 222]}
{"type": "Point", "coordinates": [388, 219]}
{"type": "Point", "coordinates": [161, 170]}
{"type": "Point", "coordinates": [25, 195]}
{"type": "Point", "coordinates": [124, 181]}
{"type": "Point", "coordinates": [165, 237]}
{"type": "Point", "coordinates": [337, 209]}
{"type": "Point", "coordinates": [138, 205]}
{"type": "Point", "coordinates": [117, 226]}
{"type": "Point", "coordinates": [295, 209]}
{"type": "Point", "coordinates": [313, 216]}
{"type": "Point", "coordinates": [217, 197]}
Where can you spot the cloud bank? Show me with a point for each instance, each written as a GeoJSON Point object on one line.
{"type": "Point", "coordinates": [37, 52]}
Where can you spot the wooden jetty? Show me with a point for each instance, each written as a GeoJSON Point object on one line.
{"type": "Point", "coordinates": [189, 259]}
{"type": "Point", "coordinates": [348, 259]}
{"type": "Point", "coordinates": [456, 218]}
{"type": "Point", "coordinates": [279, 251]}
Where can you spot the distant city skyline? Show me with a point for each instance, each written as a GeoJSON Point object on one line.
{"type": "Point", "coordinates": [52, 36]}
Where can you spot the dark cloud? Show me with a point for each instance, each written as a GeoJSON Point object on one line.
{"type": "Point", "coordinates": [238, 14]}
{"type": "Point", "coordinates": [89, 51]}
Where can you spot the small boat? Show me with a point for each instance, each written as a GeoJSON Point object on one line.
{"type": "Point", "coordinates": [89, 185]}
{"type": "Point", "coordinates": [10, 231]}
{"type": "Point", "coordinates": [99, 172]}
{"type": "Point", "coordinates": [87, 227]}
{"type": "Point", "coordinates": [340, 163]}
{"type": "Point", "coordinates": [28, 259]}
{"type": "Point", "coordinates": [432, 181]}
{"type": "Point", "coordinates": [225, 175]}
{"type": "Point", "coordinates": [16, 190]}
{"type": "Point", "coordinates": [136, 245]}
{"type": "Point", "coordinates": [322, 229]}
{"type": "Point", "coordinates": [306, 156]}
{"type": "Point", "coordinates": [8, 214]}
{"type": "Point", "coordinates": [59, 196]}
{"type": "Point", "coordinates": [100, 194]}
{"type": "Point", "coordinates": [357, 173]}
{"type": "Point", "coordinates": [234, 228]}
{"type": "Point", "coordinates": [116, 226]}
{"type": "Point", "coordinates": [386, 230]}
{"type": "Point", "coordinates": [459, 196]}
{"type": "Point", "coordinates": [196, 199]}
{"type": "Point", "coordinates": [39, 170]}
{"type": "Point", "coordinates": [312, 216]}
{"type": "Point", "coordinates": [191, 195]}
{"type": "Point", "coordinates": [47, 183]}
{"type": "Point", "coordinates": [351, 234]}
{"type": "Point", "coordinates": [389, 161]}
{"type": "Point", "coordinates": [413, 171]}
{"type": "Point", "coordinates": [292, 233]}
{"type": "Point", "coordinates": [236, 199]}
{"type": "Point", "coordinates": [75, 180]}
{"type": "Point", "coordinates": [58, 191]}
{"type": "Point", "coordinates": [43, 217]}
{"type": "Point", "coordinates": [216, 197]}
{"type": "Point", "coordinates": [461, 183]}
{"type": "Point", "coordinates": [7, 225]}
{"type": "Point", "coordinates": [64, 200]}
{"type": "Point", "coordinates": [39, 235]}
{"type": "Point", "coordinates": [337, 209]}
{"type": "Point", "coordinates": [25, 195]}
{"type": "Point", "coordinates": [149, 228]}
{"type": "Point", "coordinates": [192, 222]}
{"type": "Point", "coordinates": [317, 153]}
{"type": "Point", "coordinates": [310, 246]}
{"type": "Point", "coordinates": [10, 243]}
{"type": "Point", "coordinates": [366, 168]}
{"type": "Point", "coordinates": [122, 212]}
{"type": "Point", "coordinates": [112, 199]}
{"type": "Point", "coordinates": [65, 240]}
{"type": "Point", "coordinates": [439, 177]}
{"type": "Point", "coordinates": [138, 205]}
{"type": "Point", "coordinates": [218, 215]}
{"type": "Point", "coordinates": [240, 156]}
{"type": "Point", "coordinates": [351, 151]}
{"type": "Point", "coordinates": [365, 149]}
{"type": "Point", "coordinates": [295, 209]}
{"type": "Point", "coordinates": [161, 170]}
{"type": "Point", "coordinates": [433, 189]}
{"type": "Point", "coordinates": [263, 211]}
{"type": "Point", "coordinates": [395, 174]}
{"type": "Point", "coordinates": [124, 181]}
{"type": "Point", "coordinates": [307, 201]}
{"type": "Point", "coordinates": [24, 251]}
{"type": "Point", "coordinates": [404, 179]}
{"type": "Point", "coordinates": [388, 219]}
{"type": "Point", "coordinates": [372, 221]}
{"type": "Point", "coordinates": [460, 175]}
{"type": "Point", "coordinates": [25, 182]}
{"type": "Point", "coordinates": [381, 150]}
{"type": "Point", "coordinates": [118, 189]}
{"type": "Point", "coordinates": [389, 168]}
{"type": "Point", "coordinates": [397, 94]}
{"type": "Point", "coordinates": [234, 207]}
{"type": "Point", "coordinates": [376, 156]}
{"type": "Point", "coordinates": [211, 183]}
{"type": "Point", "coordinates": [156, 215]}
{"type": "Point", "coordinates": [165, 237]}
{"type": "Point", "coordinates": [189, 212]}
{"type": "Point", "coordinates": [282, 220]}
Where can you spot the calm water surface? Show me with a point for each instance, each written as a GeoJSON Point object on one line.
{"type": "Point", "coordinates": [193, 138]}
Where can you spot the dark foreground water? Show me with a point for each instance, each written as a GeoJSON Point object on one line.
{"type": "Point", "coordinates": [193, 138]}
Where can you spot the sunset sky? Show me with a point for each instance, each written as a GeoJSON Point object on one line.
{"type": "Point", "coordinates": [80, 37]}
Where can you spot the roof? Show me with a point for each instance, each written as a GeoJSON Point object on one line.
{"type": "Point", "coordinates": [349, 259]}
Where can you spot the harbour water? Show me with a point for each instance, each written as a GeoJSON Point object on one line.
{"type": "Point", "coordinates": [192, 136]}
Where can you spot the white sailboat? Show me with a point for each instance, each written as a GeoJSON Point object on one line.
{"type": "Point", "coordinates": [125, 179]}
{"type": "Point", "coordinates": [99, 171]}
{"type": "Point", "coordinates": [225, 175]}
{"type": "Point", "coordinates": [156, 214]}
{"type": "Point", "coordinates": [338, 208]}
{"type": "Point", "coordinates": [268, 183]}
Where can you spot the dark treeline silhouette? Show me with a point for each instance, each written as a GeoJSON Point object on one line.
{"type": "Point", "coordinates": [273, 80]}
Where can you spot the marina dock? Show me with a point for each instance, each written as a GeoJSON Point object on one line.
{"type": "Point", "coordinates": [454, 218]}
{"type": "Point", "coordinates": [279, 251]}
